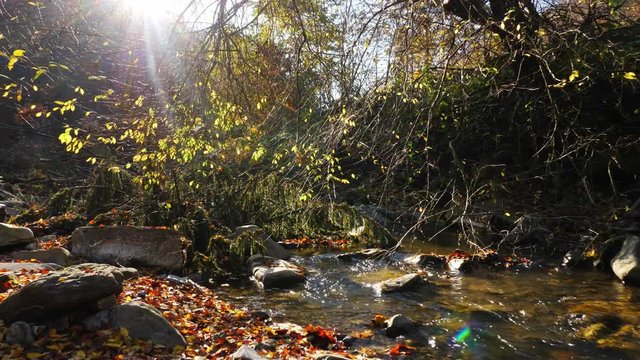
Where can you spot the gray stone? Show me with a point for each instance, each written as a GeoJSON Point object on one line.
{"type": "Point", "coordinates": [426, 260]}
{"type": "Point", "coordinates": [11, 235]}
{"type": "Point", "coordinates": [19, 333]}
{"type": "Point", "coordinates": [402, 283]}
{"type": "Point", "coordinates": [68, 290]}
{"type": "Point", "coordinates": [266, 245]}
{"type": "Point", "coordinates": [271, 272]}
{"type": "Point", "coordinates": [128, 272]}
{"type": "Point", "coordinates": [246, 352]}
{"type": "Point", "coordinates": [58, 255]}
{"type": "Point", "coordinates": [144, 322]}
{"type": "Point", "coordinates": [97, 321]}
{"type": "Point", "coordinates": [129, 246]}
{"type": "Point", "coordinates": [626, 263]}
{"type": "Point", "coordinates": [18, 267]}
{"type": "Point", "coordinates": [45, 238]}
{"type": "Point", "coordinates": [400, 325]}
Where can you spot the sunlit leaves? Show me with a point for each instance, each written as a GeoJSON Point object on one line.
{"type": "Point", "coordinates": [70, 138]}
{"type": "Point", "coordinates": [39, 72]}
{"type": "Point", "coordinates": [630, 76]}
{"type": "Point", "coordinates": [64, 106]}
{"type": "Point", "coordinates": [13, 59]}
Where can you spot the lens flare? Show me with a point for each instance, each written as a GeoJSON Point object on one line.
{"type": "Point", "coordinates": [462, 334]}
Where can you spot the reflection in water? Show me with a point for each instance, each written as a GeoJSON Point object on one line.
{"type": "Point", "coordinates": [536, 314]}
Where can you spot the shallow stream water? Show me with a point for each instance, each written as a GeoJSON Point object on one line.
{"type": "Point", "coordinates": [542, 313]}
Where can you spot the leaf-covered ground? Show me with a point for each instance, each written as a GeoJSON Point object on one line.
{"type": "Point", "coordinates": [214, 329]}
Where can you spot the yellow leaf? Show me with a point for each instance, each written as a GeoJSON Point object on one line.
{"type": "Point", "coordinates": [574, 75]}
{"type": "Point", "coordinates": [630, 76]}
{"type": "Point", "coordinates": [124, 332]}
{"type": "Point", "coordinates": [18, 52]}
{"type": "Point", "coordinates": [34, 355]}
{"type": "Point", "coordinates": [12, 62]}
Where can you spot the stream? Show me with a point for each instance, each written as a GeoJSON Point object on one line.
{"type": "Point", "coordinates": [541, 313]}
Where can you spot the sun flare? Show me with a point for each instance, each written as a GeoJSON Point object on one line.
{"type": "Point", "coordinates": [153, 8]}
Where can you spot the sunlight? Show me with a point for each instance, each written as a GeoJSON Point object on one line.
{"type": "Point", "coordinates": [154, 8]}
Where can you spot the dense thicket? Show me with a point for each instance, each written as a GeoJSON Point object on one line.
{"type": "Point", "coordinates": [264, 111]}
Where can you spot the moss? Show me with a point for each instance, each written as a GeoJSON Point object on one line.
{"type": "Point", "coordinates": [61, 202]}
{"type": "Point", "coordinates": [109, 190]}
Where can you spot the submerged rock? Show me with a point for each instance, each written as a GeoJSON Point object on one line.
{"type": "Point", "coordinates": [365, 254]}
{"type": "Point", "coordinates": [403, 283]}
{"type": "Point", "coordinates": [426, 261]}
{"type": "Point", "coordinates": [399, 325]}
{"type": "Point", "coordinates": [275, 273]}
{"type": "Point", "coordinates": [626, 263]}
{"type": "Point", "coordinates": [72, 289]}
{"type": "Point", "coordinates": [59, 255]}
{"type": "Point", "coordinates": [129, 246]}
{"type": "Point", "coordinates": [266, 246]}
{"type": "Point", "coordinates": [11, 235]}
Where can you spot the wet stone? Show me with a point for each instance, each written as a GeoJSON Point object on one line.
{"type": "Point", "coordinates": [403, 283]}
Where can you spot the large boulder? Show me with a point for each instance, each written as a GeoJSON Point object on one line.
{"type": "Point", "coordinates": [142, 322]}
{"type": "Point", "coordinates": [626, 263]}
{"type": "Point", "coordinates": [249, 234]}
{"type": "Point", "coordinates": [76, 288]}
{"type": "Point", "coordinates": [129, 246]}
{"type": "Point", "coordinates": [11, 235]}
{"type": "Point", "coordinates": [59, 255]}
{"type": "Point", "coordinates": [275, 273]}
{"type": "Point", "coordinates": [402, 283]}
